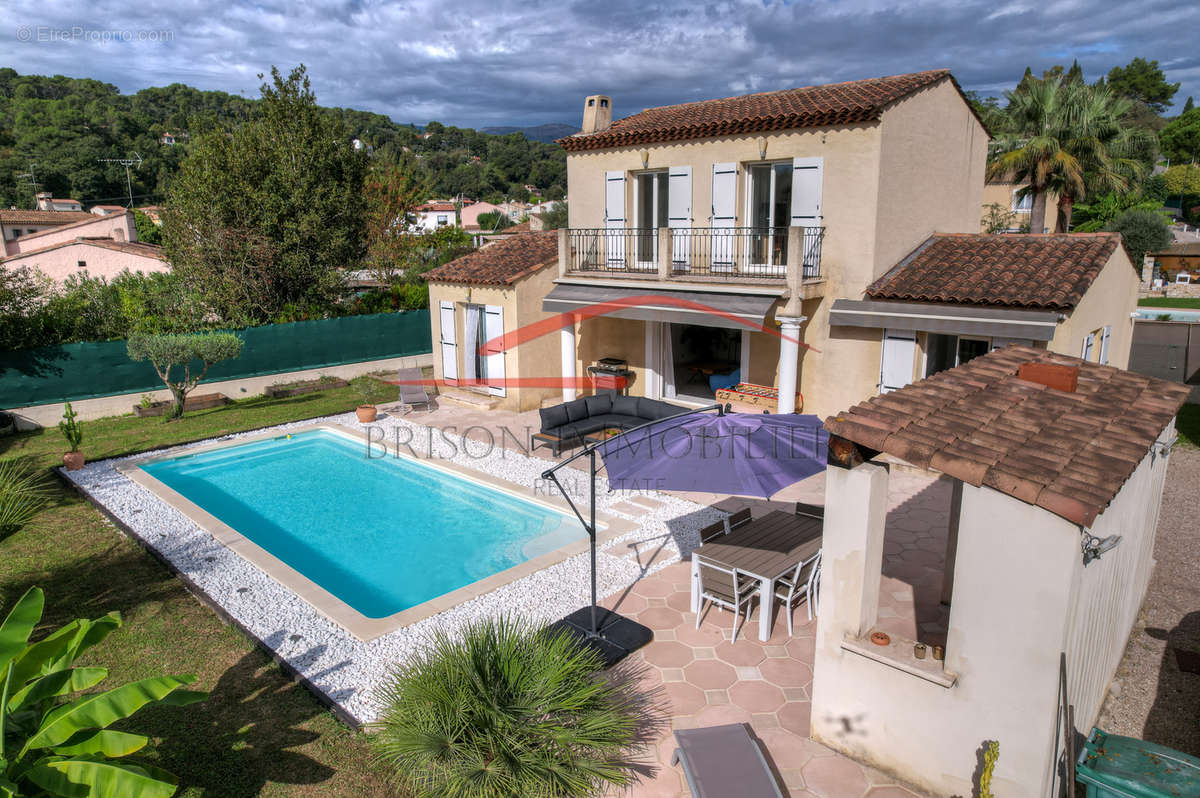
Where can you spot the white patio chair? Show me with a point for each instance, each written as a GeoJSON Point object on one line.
{"type": "Point", "coordinates": [803, 582]}
{"type": "Point", "coordinates": [726, 588]}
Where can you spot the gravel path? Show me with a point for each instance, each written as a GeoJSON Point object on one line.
{"type": "Point", "coordinates": [1151, 698]}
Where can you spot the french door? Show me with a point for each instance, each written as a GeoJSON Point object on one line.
{"type": "Point", "coordinates": [769, 214]}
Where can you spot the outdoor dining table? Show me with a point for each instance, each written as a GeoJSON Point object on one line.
{"type": "Point", "coordinates": [764, 549]}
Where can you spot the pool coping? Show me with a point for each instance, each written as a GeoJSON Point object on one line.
{"type": "Point", "coordinates": [358, 625]}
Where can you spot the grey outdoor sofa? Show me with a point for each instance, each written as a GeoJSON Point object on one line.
{"type": "Point", "coordinates": [567, 424]}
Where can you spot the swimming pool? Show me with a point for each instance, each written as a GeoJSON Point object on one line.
{"type": "Point", "coordinates": [382, 534]}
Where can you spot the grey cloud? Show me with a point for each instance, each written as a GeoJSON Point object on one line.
{"type": "Point", "coordinates": [479, 62]}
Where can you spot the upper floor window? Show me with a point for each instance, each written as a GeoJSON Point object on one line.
{"type": "Point", "coordinates": [443, 219]}
{"type": "Point", "coordinates": [1023, 204]}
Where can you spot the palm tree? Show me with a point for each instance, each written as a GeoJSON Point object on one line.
{"type": "Point", "coordinates": [511, 710]}
{"type": "Point", "coordinates": [1066, 137]}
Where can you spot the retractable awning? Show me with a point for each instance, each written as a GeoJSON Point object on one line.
{"type": "Point", "coordinates": [708, 308]}
{"type": "Point", "coordinates": [1035, 325]}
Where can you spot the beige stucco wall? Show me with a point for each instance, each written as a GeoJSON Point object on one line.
{"type": "Point", "coordinates": [1110, 300]}
{"type": "Point", "coordinates": [1002, 194]}
{"type": "Point", "coordinates": [59, 264]}
{"type": "Point", "coordinates": [537, 357]}
{"type": "Point", "coordinates": [118, 227]}
{"type": "Point", "coordinates": [610, 337]}
{"type": "Point", "coordinates": [933, 153]}
{"type": "Point", "coordinates": [1022, 595]}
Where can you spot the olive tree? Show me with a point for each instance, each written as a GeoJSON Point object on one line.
{"type": "Point", "coordinates": [168, 353]}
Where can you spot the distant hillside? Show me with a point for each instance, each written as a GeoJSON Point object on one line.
{"type": "Point", "coordinates": [58, 132]}
{"type": "Point", "coordinates": [547, 133]}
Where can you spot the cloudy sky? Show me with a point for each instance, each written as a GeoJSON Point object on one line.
{"type": "Point", "coordinates": [488, 62]}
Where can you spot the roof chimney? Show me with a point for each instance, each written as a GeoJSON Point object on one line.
{"type": "Point", "coordinates": [1052, 375]}
{"type": "Point", "coordinates": [597, 114]}
{"type": "Point", "coordinates": [43, 201]}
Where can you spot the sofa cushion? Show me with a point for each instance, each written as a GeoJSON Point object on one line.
{"type": "Point", "coordinates": [553, 417]}
{"type": "Point", "coordinates": [576, 410]}
{"type": "Point", "coordinates": [625, 405]}
{"type": "Point", "coordinates": [618, 420]}
{"type": "Point", "coordinates": [652, 409]}
{"type": "Point", "coordinates": [599, 404]}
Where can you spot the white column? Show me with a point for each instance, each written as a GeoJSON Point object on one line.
{"type": "Point", "coordinates": [567, 338]}
{"type": "Point", "coordinates": [789, 356]}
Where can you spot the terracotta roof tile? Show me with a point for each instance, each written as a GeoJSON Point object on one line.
{"type": "Point", "coordinates": [1027, 271]}
{"type": "Point", "coordinates": [1069, 453]}
{"type": "Point", "coordinates": [788, 109]}
{"type": "Point", "coordinates": [13, 216]}
{"type": "Point", "coordinates": [500, 263]}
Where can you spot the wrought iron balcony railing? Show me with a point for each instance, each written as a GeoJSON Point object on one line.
{"type": "Point", "coordinates": [714, 253]}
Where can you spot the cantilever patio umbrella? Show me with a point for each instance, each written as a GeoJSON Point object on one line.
{"type": "Point", "coordinates": [736, 453]}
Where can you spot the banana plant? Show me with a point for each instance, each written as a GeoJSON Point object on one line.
{"type": "Point", "coordinates": [56, 744]}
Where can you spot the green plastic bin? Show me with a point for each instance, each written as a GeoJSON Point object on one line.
{"type": "Point", "coordinates": [1111, 766]}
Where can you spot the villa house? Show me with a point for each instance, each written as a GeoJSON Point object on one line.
{"type": "Point", "coordinates": [720, 241]}
{"type": "Point", "coordinates": [728, 227]}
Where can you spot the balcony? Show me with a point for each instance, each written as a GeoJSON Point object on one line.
{"type": "Point", "coordinates": [719, 256]}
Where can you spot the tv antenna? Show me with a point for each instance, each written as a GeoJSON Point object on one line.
{"type": "Point", "coordinates": [30, 177]}
{"type": "Point", "coordinates": [135, 162]}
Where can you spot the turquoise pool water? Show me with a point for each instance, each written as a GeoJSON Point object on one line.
{"type": "Point", "coordinates": [382, 534]}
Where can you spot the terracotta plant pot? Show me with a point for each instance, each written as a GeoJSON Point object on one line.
{"type": "Point", "coordinates": [366, 413]}
{"type": "Point", "coordinates": [73, 460]}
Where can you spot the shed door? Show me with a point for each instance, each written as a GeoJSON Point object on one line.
{"type": "Point", "coordinates": [614, 218]}
{"type": "Point", "coordinates": [724, 216]}
{"type": "Point", "coordinates": [899, 352]}
{"type": "Point", "coordinates": [449, 347]}
{"type": "Point", "coordinates": [493, 327]}
{"type": "Point", "coordinates": [679, 213]}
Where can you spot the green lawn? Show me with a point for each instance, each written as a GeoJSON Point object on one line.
{"type": "Point", "coordinates": [1170, 302]}
{"type": "Point", "coordinates": [1188, 425]}
{"type": "Point", "coordinates": [259, 734]}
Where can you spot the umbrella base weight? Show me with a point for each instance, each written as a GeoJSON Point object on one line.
{"type": "Point", "coordinates": [619, 636]}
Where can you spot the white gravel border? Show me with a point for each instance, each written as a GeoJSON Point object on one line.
{"type": "Point", "coordinates": [344, 670]}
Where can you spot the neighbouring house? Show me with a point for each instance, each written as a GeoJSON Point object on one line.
{"type": "Point", "coordinates": [97, 257]}
{"type": "Point", "coordinates": [729, 227]}
{"type": "Point", "coordinates": [435, 214]}
{"type": "Point", "coordinates": [152, 211]}
{"type": "Point", "coordinates": [101, 246]}
{"type": "Point", "coordinates": [106, 210]}
{"type": "Point", "coordinates": [1056, 469]}
{"type": "Point", "coordinates": [171, 137]}
{"type": "Point", "coordinates": [1006, 194]}
{"type": "Point", "coordinates": [958, 296]}
{"type": "Point", "coordinates": [47, 202]}
{"type": "Point", "coordinates": [483, 305]}
{"type": "Point", "coordinates": [116, 226]}
{"type": "Point", "coordinates": [15, 223]}
{"type": "Point", "coordinates": [472, 212]}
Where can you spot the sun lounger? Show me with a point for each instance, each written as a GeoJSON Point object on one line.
{"type": "Point", "coordinates": [723, 761]}
{"type": "Point", "coordinates": [412, 391]}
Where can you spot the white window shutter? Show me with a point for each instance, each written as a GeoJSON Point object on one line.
{"type": "Point", "coordinates": [614, 217]}
{"type": "Point", "coordinates": [447, 339]}
{"type": "Point", "coordinates": [493, 327]}
{"type": "Point", "coordinates": [1089, 341]}
{"type": "Point", "coordinates": [807, 175]}
{"type": "Point", "coordinates": [897, 358]}
{"type": "Point", "coordinates": [679, 211]}
{"type": "Point", "coordinates": [1104, 343]}
{"type": "Point", "coordinates": [724, 216]}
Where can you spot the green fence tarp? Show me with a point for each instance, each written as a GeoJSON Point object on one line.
{"type": "Point", "coordinates": [83, 371]}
